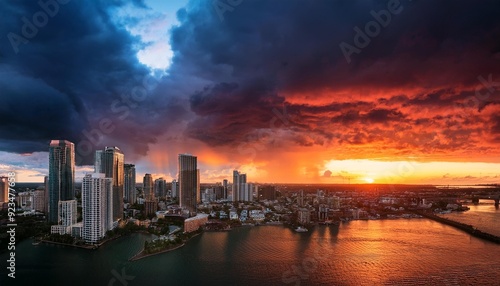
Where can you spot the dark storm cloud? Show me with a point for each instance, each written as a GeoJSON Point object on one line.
{"type": "Point", "coordinates": [293, 47]}
{"type": "Point", "coordinates": [64, 79]}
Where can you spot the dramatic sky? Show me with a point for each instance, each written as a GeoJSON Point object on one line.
{"type": "Point", "coordinates": [286, 91]}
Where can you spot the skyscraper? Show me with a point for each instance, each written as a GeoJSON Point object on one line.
{"type": "Point", "coordinates": [147, 187]}
{"type": "Point", "coordinates": [61, 175]}
{"type": "Point", "coordinates": [110, 162]}
{"type": "Point", "coordinates": [160, 187]}
{"type": "Point", "coordinates": [97, 217]}
{"type": "Point", "coordinates": [129, 184]}
{"type": "Point", "coordinates": [189, 193]}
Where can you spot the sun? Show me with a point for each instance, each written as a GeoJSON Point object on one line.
{"type": "Point", "coordinates": [369, 180]}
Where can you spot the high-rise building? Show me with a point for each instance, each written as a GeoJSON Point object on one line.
{"type": "Point", "coordinates": [97, 217]}
{"type": "Point", "coordinates": [235, 189]}
{"type": "Point", "coordinates": [160, 188]}
{"type": "Point", "coordinates": [46, 194]}
{"type": "Point", "coordinates": [110, 161]}
{"type": "Point", "coordinates": [61, 175]}
{"type": "Point", "coordinates": [198, 189]}
{"type": "Point", "coordinates": [242, 191]}
{"type": "Point", "coordinates": [147, 187]}
{"type": "Point", "coordinates": [225, 186]}
{"type": "Point", "coordinates": [189, 192]}
{"type": "Point", "coordinates": [4, 189]}
{"type": "Point", "coordinates": [175, 188]}
{"type": "Point", "coordinates": [129, 184]}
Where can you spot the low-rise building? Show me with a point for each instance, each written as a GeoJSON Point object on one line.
{"type": "Point", "coordinates": [194, 223]}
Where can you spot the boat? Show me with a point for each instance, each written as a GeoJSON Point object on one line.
{"type": "Point", "coordinates": [36, 243]}
{"type": "Point", "coordinates": [301, 229]}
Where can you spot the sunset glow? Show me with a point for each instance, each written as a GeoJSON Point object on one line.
{"type": "Point", "coordinates": [414, 106]}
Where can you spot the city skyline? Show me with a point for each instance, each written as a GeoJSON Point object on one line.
{"type": "Point", "coordinates": [378, 97]}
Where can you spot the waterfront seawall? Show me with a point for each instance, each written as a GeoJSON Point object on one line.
{"type": "Point", "coordinates": [462, 226]}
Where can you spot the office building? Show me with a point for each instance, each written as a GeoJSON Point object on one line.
{"type": "Point", "coordinates": [67, 216]}
{"type": "Point", "coordinates": [147, 187]}
{"type": "Point", "coordinates": [97, 217]}
{"type": "Point", "coordinates": [175, 189]}
{"type": "Point", "coordinates": [189, 193]}
{"type": "Point", "coordinates": [38, 200]}
{"type": "Point", "coordinates": [46, 194]}
{"type": "Point", "coordinates": [242, 191]}
{"type": "Point", "coordinates": [129, 184]}
{"type": "Point", "coordinates": [303, 216]}
{"type": "Point", "coordinates": [225, 189]}
{"type": "Point", "coordinates": [110, 162]}
{"type": "Point", "coordinates": [24, 201]}
{"type": "Point", "coordinates": [160, 188]}
{"type": "Point", "coordinates": [4, 189]}
{"type": "Point", "coordinates": [61, 180]}
{"type": "Point", "coordinates": [150, 207]}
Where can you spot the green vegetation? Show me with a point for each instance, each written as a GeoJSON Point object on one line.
{"type": "Point", "coordinates": [65, 238]}
{"type": "Point", "coordinates": [26, 227]}
{"type": "Point", "coordinates": [127, 229]}
{"type": "Point", "coordinates": [159, 245]}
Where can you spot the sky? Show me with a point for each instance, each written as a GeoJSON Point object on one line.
{"type": "Point", "coordinates": [285, 91]}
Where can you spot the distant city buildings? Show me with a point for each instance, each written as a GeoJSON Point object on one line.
{"type": "Point", "coordinates": [189, 192]}
{"type": "Point", "coordinates": [147, 187]}
{"type": "Point", "coordinates": [110, 162]}
{"type": "Point", "coordinates": [61, 180]}
{"type": "Point", "coordinates": [32, 200]}
{"type": "Point", "coordinates": [96, 197]}
{"type": "Point", "coordinates": [129, 183]}
{"type": "Point", "coordinates": [267, 192]}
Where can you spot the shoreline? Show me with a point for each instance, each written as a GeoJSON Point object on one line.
{"type": "Point", "coordinates": [84, 246]}
{"type": "Point", "coordinates": [464, 227]}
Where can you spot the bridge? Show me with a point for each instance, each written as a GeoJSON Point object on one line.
{"type": "Point", "coordinates": [475, 198]}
